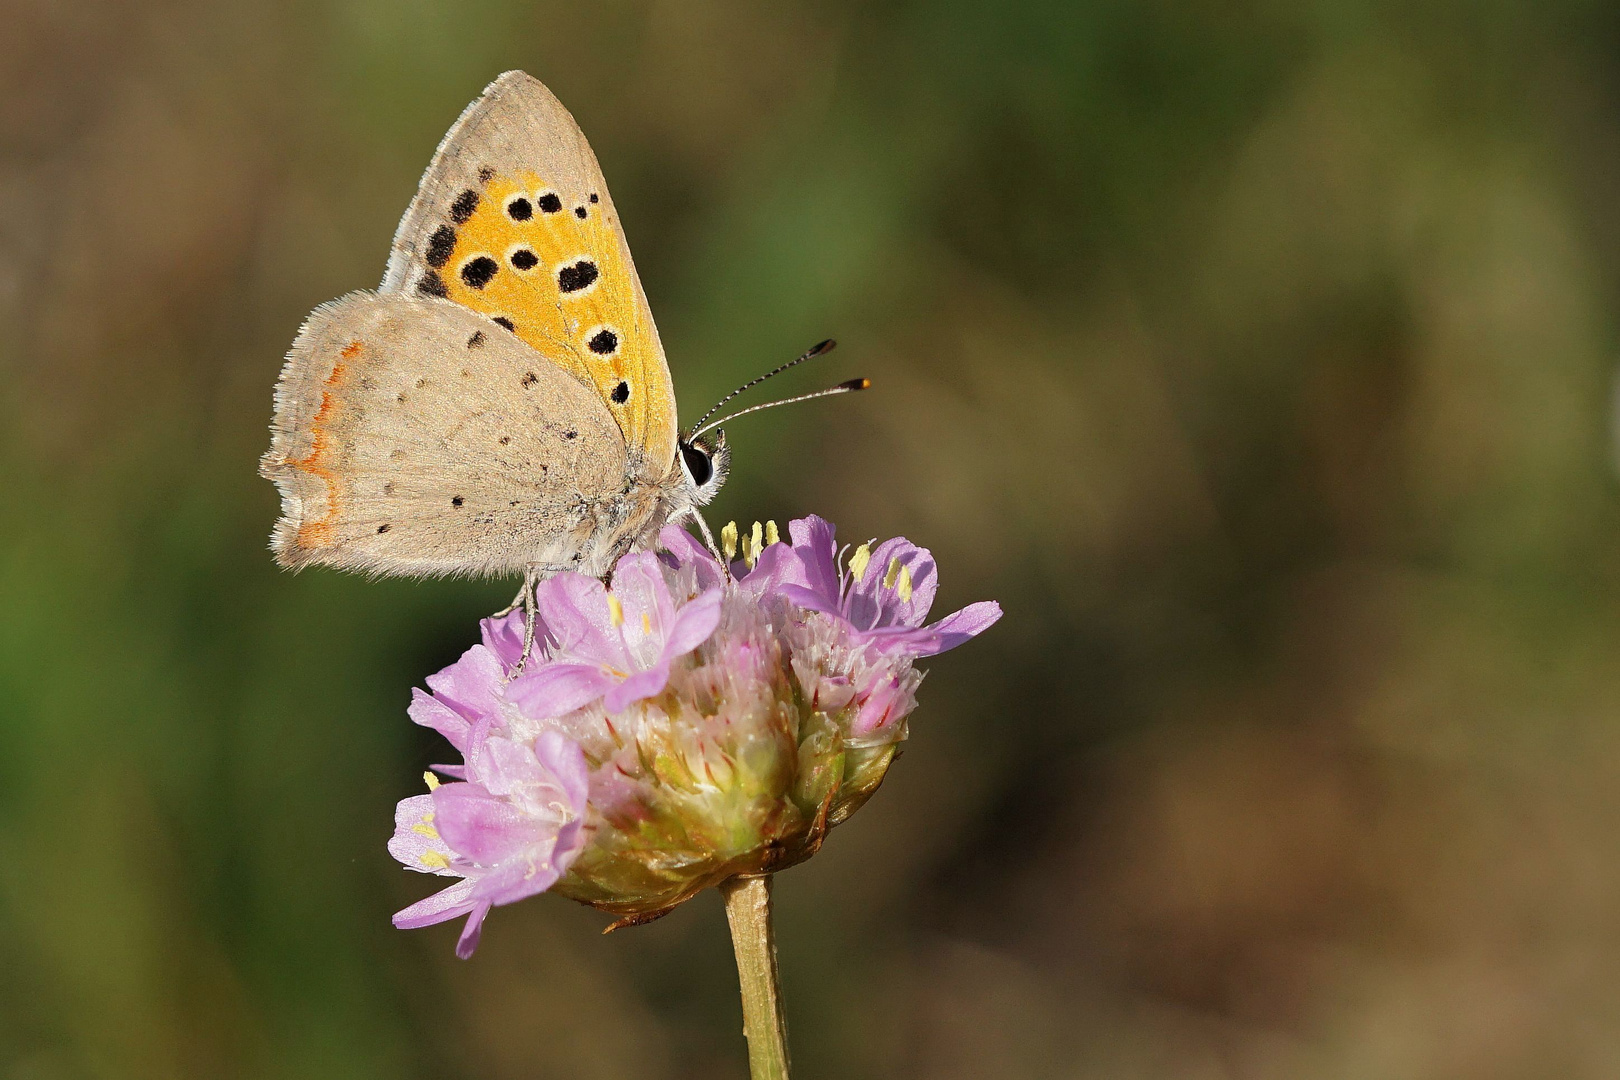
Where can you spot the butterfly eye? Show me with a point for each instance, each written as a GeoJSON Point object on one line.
{"type": "Point", "coordinates": [706, 460]}
{"type": "Point", "coordinates": [698, 465]}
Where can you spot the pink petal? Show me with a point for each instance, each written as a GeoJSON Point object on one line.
{"type": "Point", "coordinates": [643, 595]}
{"type": "Point", "coordinates": [687, 550]}
{"type": "Point", "coordinates": [430, 712]}
{"type": "Point", "coordinates": [441, 906]}
{"type": "Point", "coordinates": [472, 684]}
{"type": "Point", "coordinates": [480, 827]}
{"type": "Point", "coordinates": [641, 684]}
{"type": "Point", "coordinates": [692, 625]}
{"type": "Point", "coordinates": [811, 599]}
{"type": "Point", "coordinates": [415, 843]}
{"type": "Point", "coordinates": [564, 759]}
{"type": "Point", "coordinates": [961, 626]}
{"type": "Point", "coordinates": [503, 637]}
{"type": "Point", "coordinates": [559, 688]}
{"type": "Point", "coordinates": [575, 610]}
{"type": "Point", "coordinates": [817, 548]}
{"type": "Point", "coordinates": [777, 565]}
{"type": "Point", "coordinates": [471, 932]}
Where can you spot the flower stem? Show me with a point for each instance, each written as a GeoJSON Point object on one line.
{"type": "Point", "coordinates": [748, 910]}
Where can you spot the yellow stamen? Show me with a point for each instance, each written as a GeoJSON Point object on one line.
{"type": "Point", "coordinates": [430, 780]}
{"type": "Point", "coordinates": [754, 545]}
{"type": "Point", "coordinates": [858, 561]}
{"type": "Point", "coordinates": [646, 624]}
{"type": "Point", "coordinates": [426, 830]}
{"type": "Point", "coordinates": [435, 859]}
{"type": "Point", "coordinates": [892, 573]}
{"type": "Point", "coordinates": [615, 610]}
{"type": "Point", "coordinates": [771, 535]}
{"type": "Point", "coordinates": [728, 540]}
{"type": "Point", "coordinates": [904, 585]}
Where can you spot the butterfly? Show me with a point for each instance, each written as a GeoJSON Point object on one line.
{"type": "Point", "coordinates": [501, 403]}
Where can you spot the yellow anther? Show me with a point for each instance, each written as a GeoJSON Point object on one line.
{"type": "Point", "coordinates": [754, 545]}
{"type": "Point", "coordinates": [858, 561]}
{"type": "Point", "coordinates": [903, 586]}
{"type": "Point", "coordinates": [430, 780]}
{"type": "Point", "coordinates": [435, 859]}
{"type": "Point", "coordinates": [615, 610]}
{"type": "Point", "coordinates": [646, 624]}
{"type": "Point", "coordinates": [426, 830]}
{"type": "Point", "coordinates": [892, 573]}
{"type": "Point", "coordinates": [728, 540]}
{"type": "Point", "coordinates": [771, 535]}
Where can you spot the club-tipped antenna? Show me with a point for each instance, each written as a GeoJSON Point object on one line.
{"type": "Point", "coordinates": [809, 354]}
{"type": "Point", "coordinates": [846, 387]}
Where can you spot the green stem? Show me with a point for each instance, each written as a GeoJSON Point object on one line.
{"type": "Point", "coordinates": [748, 910]}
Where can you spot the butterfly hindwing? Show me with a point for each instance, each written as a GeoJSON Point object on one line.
{"type": "Point", "coordinates": [513, 220]}
{"type": "Point", "coordinates": [412, 436]}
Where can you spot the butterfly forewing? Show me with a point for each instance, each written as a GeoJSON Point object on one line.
{"type": "Point", "coordinates": [513, 220]}
{"type": "Point", "coordinates": [411, 436]}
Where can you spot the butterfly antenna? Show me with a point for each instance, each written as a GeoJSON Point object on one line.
{"type": "Point", "coordinates": [842, 388]}
{"type": "Point", "coordinates": [810, 354]}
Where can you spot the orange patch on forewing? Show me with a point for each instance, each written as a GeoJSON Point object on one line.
{"type": "Point", "coordinates": [543, 315]}
{"type": "Point", "coordinates": [318, 532]}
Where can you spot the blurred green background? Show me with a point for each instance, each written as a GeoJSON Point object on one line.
{"type": "Point", "coordinates": [1257, 356]}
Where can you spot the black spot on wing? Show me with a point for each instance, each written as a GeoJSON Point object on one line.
{"type": "Point", "coordinates": [478, 272]}
{"type": "Point", "coordinates": [441, 245]}
{"type": "Point", "coordinates": [463, 207]}
{"type": "Point", "coordinates": [529, 379]}
{"type": "Point", "coordinates": [524, 259]}
{"type": "Point", "coordinates": [580, 212]}
{"type": "Point", "coordinates": [577, 276]}
{"type": "Point", "coordinates": [486, 174]}
{"type": "Point", "coordinates": [502, 320]}
{"type": "Point", "coordinates": [593, 196]}
{"type": "Point", "coordinates": [603, 343]}
{"type": "Point", "coordinates": [621, 393]}
{"type": "Point", "coordinates": [457, 501]}
{"type": "Point", "coordinates": [384, 528]}
{"type": "Point", "coordinates": [477, 340]}
{"type": "Point", "coordinates": [432, 285]}
{"type": "Point", "coordinates": [520, 209]}
{"type": "Point", "coordinates": [550, 203]}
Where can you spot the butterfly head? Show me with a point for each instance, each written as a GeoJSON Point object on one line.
{"type": "Point", "coordinates": [706, 460]}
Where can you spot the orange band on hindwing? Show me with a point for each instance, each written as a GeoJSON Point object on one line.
{"type": "Point", "coordinates": [318, 532]}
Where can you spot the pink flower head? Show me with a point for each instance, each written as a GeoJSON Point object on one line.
{"type": "Point", "coordinates": [614, 646]}
{"type": "Point", "coordinates": [510, 831]}
{"type": "Point", "coordinates": [691, 722]}
{"type": "Point", "coordinates": [883, 595]}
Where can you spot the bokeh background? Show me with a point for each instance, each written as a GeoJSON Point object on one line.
{"type": "Point", "coordinates": [1258, 356]}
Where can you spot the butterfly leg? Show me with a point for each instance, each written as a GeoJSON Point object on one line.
{"type": "Point", "coordinates": [533, 574]}
{"type": "Point", "coordinates": [517, 601]}
{"type": "Point", "coordinates": [708, 538]}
